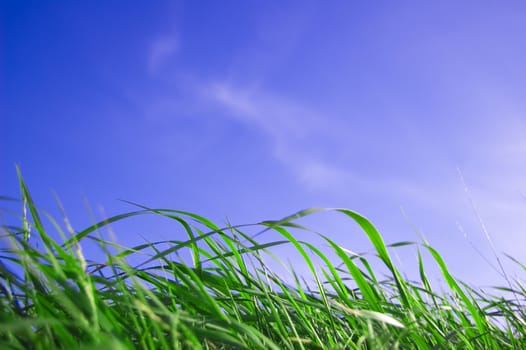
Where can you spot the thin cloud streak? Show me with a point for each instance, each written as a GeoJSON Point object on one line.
{"type": "Point", "coordinates": [162, 49]}
{"type": "Point", "coordinates": [296, 132]}
{"type": "Point", "coordinates": [293, 130]}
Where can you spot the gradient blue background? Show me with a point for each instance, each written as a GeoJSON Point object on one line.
{"type": "Point", "coordinates": [252, 110]}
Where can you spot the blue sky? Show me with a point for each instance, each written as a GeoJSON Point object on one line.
{"type": "Point", "coordinates": [254, 110]}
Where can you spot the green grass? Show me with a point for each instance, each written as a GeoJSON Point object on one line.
{"type": "Point", "coordinates": [227, 297]}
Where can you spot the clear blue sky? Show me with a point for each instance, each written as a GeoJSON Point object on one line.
{"type": "Point", "coordinates": [253, 110]}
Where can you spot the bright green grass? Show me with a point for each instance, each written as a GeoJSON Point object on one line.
{"type": "Point", "coordinates": [51, 297]}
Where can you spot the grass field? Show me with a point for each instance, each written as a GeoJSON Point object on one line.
{"type": "Point", "coordinates": [227, 297]}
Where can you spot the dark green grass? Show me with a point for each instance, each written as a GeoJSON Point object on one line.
{"type": "Point", "coordinates": [226, 295]}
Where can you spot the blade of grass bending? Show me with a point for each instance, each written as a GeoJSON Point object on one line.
{"type": "Point", "coordinates": [369, 294]}
{"type": "Point", "coordinates": [27, 201]}
{"type": "Point", "coordinates": [299, 214]}
{"type": "Point", "coordinates": [250, 249]}
{"type": "Point", "coordinates": [82, 234]}
{"type": "Point", "coordinates": [378, 243]}
{"type": "Point", "coordinates": [184, 223]}
{"type": "Point", "coordinates": [37, 221]}
{"type": "Point", "coordinates": [298, 245]}
{"type": "Point", "coordinates": [342, 291]}
{"type": "Point", "coordinates": [515, 261]}
{"type": "Point", "coordinates": [372, 315]}
{"type": "Point", "coordinates": [165, 212]}
{"type": "Point", "coordinates": [374, 236]}
{"type": "Point", "coordinates": [452, 283]}
{"type": "Point", "coordinates": [192, 243]}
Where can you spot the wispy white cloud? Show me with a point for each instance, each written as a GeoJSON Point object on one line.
{"type": "Point", "coordinates": [298, 134]}
{"type": "Point", "coordinates": [303, 139]}
{"type": "Point", "coordinates": [161, 50]}
{"type": "Point", "coordinates": [294, 130]}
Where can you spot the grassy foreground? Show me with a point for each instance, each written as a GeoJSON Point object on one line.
{"type": "Point", "coordinates": [52, 297]}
